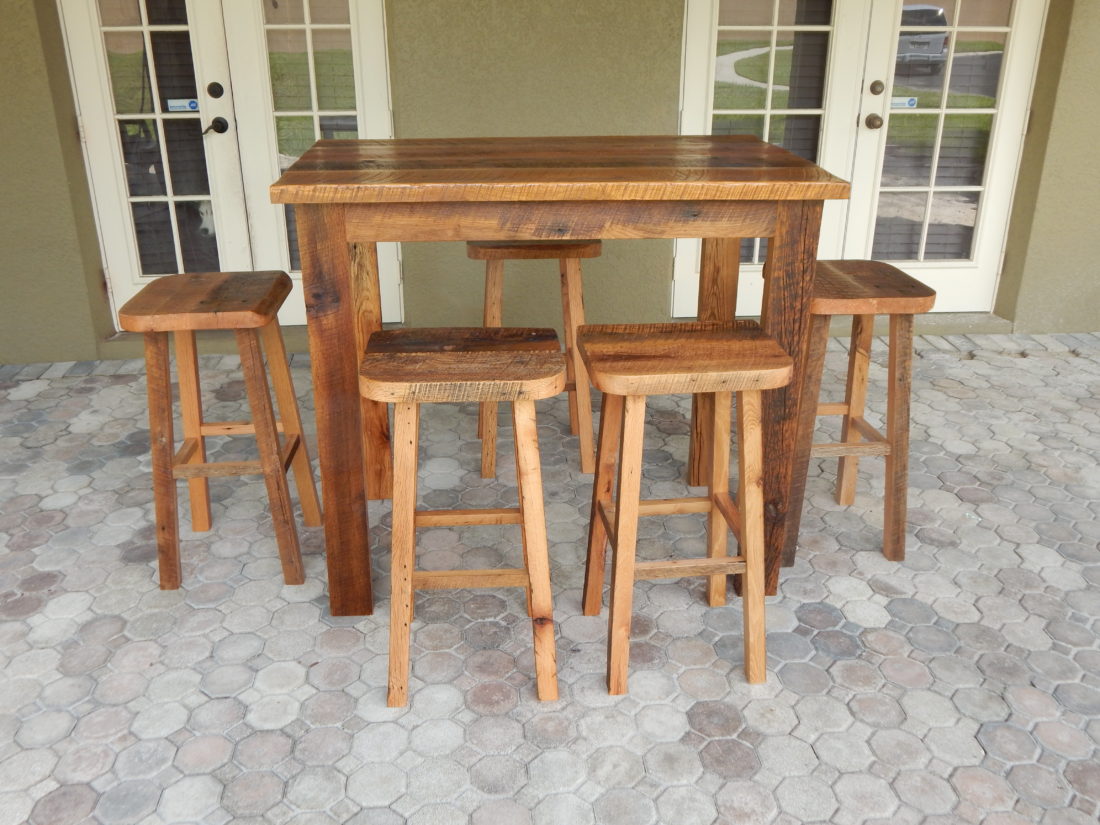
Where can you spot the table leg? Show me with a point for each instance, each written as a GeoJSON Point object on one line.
{"type": "Point", "coordinates": [718, 273]}
{"type": "Point", "coordinates": [330, 315]}
{"type": "Point", "coordinates": [788, 287]}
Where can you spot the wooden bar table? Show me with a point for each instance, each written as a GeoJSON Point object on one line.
{"type": "Point", "coordinates": [350, 194]}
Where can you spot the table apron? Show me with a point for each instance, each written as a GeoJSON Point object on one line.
{"type": "Point", "coordinates": [556, 220]}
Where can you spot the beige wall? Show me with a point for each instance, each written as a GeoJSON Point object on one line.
{"type": "Point", "coordinates": [53, 307]}
{"type": "Point", "coordinates": [1051, 277]}
{"type": "Point", "coordinates": [465, 68]}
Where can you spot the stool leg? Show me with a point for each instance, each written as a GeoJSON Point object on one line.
{"type": "Point", "coordinates": [580, 397]}
{"type": "Point", "coordinates": [540, 601]}
{"type": "Point", "coordinates": [897, 433]}
{"type": "Point", "coordinates": [750, 503]}
{"type": "Point", "coordinates": [267, 439]}
{"type": "Point", "coordinates": [626, 538]}
{"type": "Point", "coordinates": [611, 426]}
{"type": "Point", "coordinates": [855, 400]}
{"type": "Point", "coordinates": [717, 529]}
{"type": "Point", "coordinates": [406, 428]}
{"type": "Point", "coordinates": [517, 446]}
{"type": "Point", "coordinates": [291, 419]}
{"type": "Point", "coordinates": [159, 388]}
{"type": "Point", "coordinates": [187, 367]}
{"type": "Point", "coordinates": [493, 314]}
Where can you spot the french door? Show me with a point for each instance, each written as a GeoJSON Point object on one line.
{"type": "Point", "coordinates": [922, 106]}
{"type": "Point", "coordinates": [190, 109]}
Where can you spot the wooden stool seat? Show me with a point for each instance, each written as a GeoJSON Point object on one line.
{"type": "Point", "coordinates": [864, 289]}
{"type": "Point", "coordinates": [628, 362]}
{"type": "Point", "coordinates": [462, 364]}
{"type": "Point", "coordinates": [206, 300]}
{"type": "Point", "coordinates": [868, 288]}
{"type": "Point", "coordinates": [569, 255]}
{"type": "Point", "coordinates": [409, 367]}
{"type": "Point", "coordinates": [246, 302]}
{"type": "Point", "coordinates": [700, 357]}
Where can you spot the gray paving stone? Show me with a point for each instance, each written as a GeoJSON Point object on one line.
{"type": "Point", "coordinates": [958, 686]}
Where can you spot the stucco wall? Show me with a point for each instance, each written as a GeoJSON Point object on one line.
{"type": "Point", "coordinates": [464, 68]}
{"type": "Point", "coordinates": [1051, 275]}
{"type": "Point", "coordinates": [53, 307]}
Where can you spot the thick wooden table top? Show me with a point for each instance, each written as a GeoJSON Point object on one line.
{"type": "Point", "coordinates": [625, 168]}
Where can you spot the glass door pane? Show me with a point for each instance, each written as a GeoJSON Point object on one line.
{"type": "Point", "coordinates": [943, 107]}
{"type": "Point", "coordinates": [156, 112]}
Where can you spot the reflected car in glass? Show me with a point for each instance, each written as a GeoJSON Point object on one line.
{"type": "Point", "coordinates": [928, 49]}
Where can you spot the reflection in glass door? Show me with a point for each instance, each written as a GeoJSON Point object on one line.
{"type": "Point", "coordinates": [942, 109]}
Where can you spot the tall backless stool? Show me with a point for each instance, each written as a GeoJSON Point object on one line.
{"type": "Point", "coordinates": [569, 255]}
{"type": "Point", "coordinates": [627, 363]}
{"type": "Point", "coordinates": [410, 367]}
{"type": "Point", "coordinates": [178, 306]}
{"type": "Point", "coordinates": [864, 289]}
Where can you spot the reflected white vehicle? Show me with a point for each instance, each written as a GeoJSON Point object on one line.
{"type": "Point", "coordinates": [922, 48]}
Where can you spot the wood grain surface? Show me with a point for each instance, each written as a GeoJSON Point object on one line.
{"type": "Point", "coordinates": [632, 167]}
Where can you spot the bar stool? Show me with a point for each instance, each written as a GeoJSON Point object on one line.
{"type": "Point", "coordinates": [569, 254]}
{"type": "Point", "coordinates": [627, 363]}
{"type": "Point", "coordinates": [864, 289]}
{"type": "Point", "coordinates": [247, 303]}
{"type": "Point", "coordinates": [410, 367]}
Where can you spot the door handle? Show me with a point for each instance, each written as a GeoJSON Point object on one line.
{"type": "Point", "coordinates": [874, 121]}
{"type": "Point", "coordinates": [219, 125]}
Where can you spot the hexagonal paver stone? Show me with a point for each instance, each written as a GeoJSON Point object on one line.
{"type": "Point", "coordinates": [377, 785]}
{"type": "Point", "coordinates": [925, 791]}
{"type": "Point", "coordinates": [624, 806]}
{"type": "Point", "coordinates": [686, 806]}
{"type": "Point", "coordinates": [983, 789]}
{"type": "Point", "coordinates": [871, 796]}
{"type": "Point", "coordinates": [615, 766]}
{"type": "Point", "coordinates": [65, 805]}
{"type": "Point", "coordinates": [563, 807]}
{"type": "Point", "coordinates": [555, 771]}
{"type": "Point", "coordinates": [189, 799]}
{"type": "Point", "coordinates": [128, 802]}
{"type": "Point", "coordinates": [498, 775]}
{"type": "Point", "coordinates": [729, 759]}
{"type": "Point", "coordinates": [804, 678]}
{"type": "Point", "coordinates": [715, 719]}
{"type": "Point", "coordinates": [252, 793]}
{"type": "Point", "coordinates": [501, 812]}
{"type": "Point", "coordinates": [807, 799]}
{"type": "Point", "coordinates": [672, 763]}
{"type": "Point", "coordinates": [315, 788]}
{"type": "Point", "coordinates": [1039, 785]}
